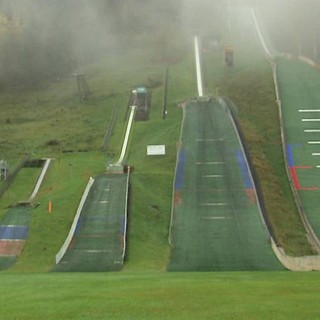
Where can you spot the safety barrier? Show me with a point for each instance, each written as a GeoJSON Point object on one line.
{"type": "Point", "coordinates": [40, 179]}
{"type": "Point", "coordinates": [198, 66]}
{"type": "Point", "coordinates": [267, 51]}
{"type": "Point", "coordinates": [125, 222]}
{"type": "Point", "coordinates": [66, 244]}
{"type": "Point", "coordinates": [305, 263]}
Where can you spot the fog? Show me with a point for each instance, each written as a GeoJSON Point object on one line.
{"type": "Point", "coordinates": [293, 25]}
{"type": "Point", "coordinates": [46, 38]}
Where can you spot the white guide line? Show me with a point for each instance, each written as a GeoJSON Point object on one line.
{"type": "Point", "coordinates": [311, 130]}
{"type": "Point", "coordinates": [309, 110]}
{"type": "Point", "coordinates": [313, 142]}
{"type": "Point", "coordinates": [66, 243]}
{"type": "Point", "coordinates": [211, 163]}
{"type": "Point", "coordinates": [209, 140]}
{"type": "Point", "coordinates": [214, 204]}
{"type": "Point", "coordinates": [213, 176]}
{"type": "Point", "coordinates": [198, 66]}
{"type": "Point", "coordinates": [316, 154]}
{"type": "Point", "coordinates": [217, 218]}
{"type": "Point", "coordinates": [92, 251]}
{"type": "Point", "coordinates": [310, 120]}
{"type": "Point", "coordinates": [12, 226]}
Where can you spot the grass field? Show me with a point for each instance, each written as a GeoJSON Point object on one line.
{"type": "Point", "coordinates": [225, 296]}
{"type": "Point", "coordinates": [50, 121]}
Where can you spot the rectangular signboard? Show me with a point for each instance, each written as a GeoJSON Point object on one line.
{"type": "Point", "coordinates": [156, 150]}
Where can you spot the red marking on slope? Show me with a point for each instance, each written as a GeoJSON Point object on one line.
{"type": "Point", "coordinates": [251, 195]}
{"type": "Point", "coordinates": [11, 247]}
{"type": "Point", "coordinates": [177, 198]}
{"type": "Point", "coordinates": [309, 188]}
{"type": "Point", "coordinates": [295, 178]}
{"type": "Point", "coordinates": [302, 167]}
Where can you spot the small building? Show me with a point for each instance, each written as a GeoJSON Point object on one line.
{"type": "Point", "coordinates": [228, 56]}
{"type": "Point", "coordinates": [141, 98]}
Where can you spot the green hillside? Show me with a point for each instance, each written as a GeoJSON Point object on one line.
{"type": "Point", "coordinates": [50, 120]}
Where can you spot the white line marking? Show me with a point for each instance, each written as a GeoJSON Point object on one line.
{"type": "Point", "coordinates": [309, 110]}
{"type": "Point", "coordinates": [214, 204]}
{"type": "Point", "coordinates": [210, 162]}
{"type": "Point", "coordinates": [316, 154]}
{"type": "Point", "coordinates": [216, 218]}
{"type": "Point", "coordinates": [310, 120]}
{"type": "Point", "coordinates": [209, 140]}
{"type": "Point", "coordinates": [13, 240]}
{"type": "Point", "coordinates": [93, 251]}
{"type": "Point", "coordinates": [12, 226]}
{"type": "Point", "coordinates": [213, 176]}
{"type": "Point", "coordinates": [311, 130]}
{"type": "Point", "coordinates": [313, 142]}
{"type": "Point", "coordinates": [104, 201]}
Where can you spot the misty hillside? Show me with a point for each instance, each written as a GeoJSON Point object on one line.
{"type": "Point", "coordinates": [293, 26]}
{"type": "Point", "coordinates": [45, 39]}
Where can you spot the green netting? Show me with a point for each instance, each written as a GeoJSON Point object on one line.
{"type": "Point", "coordinates": [99, 240]}
{"type": "Point", "coordinates": [7, 262]}
{"type": "Point", "coordinates": [299, 85]}
{"type": "Point", "coordinates": [216, 222]}
{"type": "Point", "coordinates": [17, 215]}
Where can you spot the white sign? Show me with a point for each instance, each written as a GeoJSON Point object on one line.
{"type": "Point", "coordinates": [156, 150]}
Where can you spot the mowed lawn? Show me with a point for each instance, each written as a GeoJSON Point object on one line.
{"type": "Point", "coordinates": [245, 295]}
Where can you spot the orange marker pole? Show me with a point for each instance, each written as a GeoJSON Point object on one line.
{"type": "Point", "coordinates": [50, 206]}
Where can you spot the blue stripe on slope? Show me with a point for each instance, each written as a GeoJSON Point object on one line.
{"type": "Point", "coordinates": [290, 155]}
{"type": "Point", "coordinates": [13, 232]}
{"type": "Point", "coordinates": [244, 169]}
{"type": "Point", "coordinates": [179, 181]}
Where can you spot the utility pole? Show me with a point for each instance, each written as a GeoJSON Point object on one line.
{"type": "Point", "coordinates": [3, 170]}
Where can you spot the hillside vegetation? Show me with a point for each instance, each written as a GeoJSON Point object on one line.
{"type": "Point", "coordinates": [47, 119]}
{"type": "Point", "coordinates": [51, 121]}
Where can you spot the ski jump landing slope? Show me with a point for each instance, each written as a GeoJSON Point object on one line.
{"type": "Point", "coordinates": [300, 103]}
{"type": "Point", "coordinates": [216, 222]}
{"type": "Point", "coordinates": [98, 242]}
{"type": "Point", "coordinates": [297, 83]}
{"type": "Point", "coordinates": [97, 238]}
